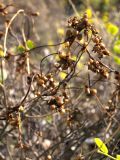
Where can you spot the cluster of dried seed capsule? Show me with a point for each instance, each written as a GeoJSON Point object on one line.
{"type": "Point", "coordinates": [97, 67]}
{"type": "Point", "coordinates": [46, 83]}
{"type": "Point", "coordinates": [65, 61]}
{"type": "Point", "coordinates": [58, 102]}
{"type": "Point", "coordinates": [99, 47]}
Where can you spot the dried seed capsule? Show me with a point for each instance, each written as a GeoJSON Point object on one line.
{"type": "Point", "coordinates": [44, 78]}
{"type": "Point", "coordinates": [95, 40]}
{"type": "Point", "coordinates": [97, 62]}
{"type": "Point", "coordinates": [59, 101]}
{"type": "Point", "coordinates": [51, 79]}
{"type": "Point", "coordinates": [49, 75]}
{"type": "Point", "coordinates": [53, 107]}
{"type": "Point", "coordinates": [102, 46]}
{"type": "Point", "coordinates": [106, 52]}
{"type": "Point", "coordinates": [1, 6]}
{"type": "Point", "coordinates": [106, 74]}
{"type": "Point", "coordinates": [37, 93]}
{"type": "Point", "coordinates": [93, 91]}
{"type": "Point", "coordinates": [35, 14]}
{"type": "Point", "coordinates": [41, 82]}
{"type": "Point", "coordinates": [91, 61]}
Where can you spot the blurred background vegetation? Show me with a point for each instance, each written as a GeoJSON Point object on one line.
{"type": "Point", "coordinates": [49, 27]}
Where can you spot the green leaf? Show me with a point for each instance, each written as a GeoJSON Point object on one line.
{"type": "Point", "coordinates": [116, 47]}
{"type": "Point", "coordinates": [118, 157]}
{"type": "Point", "coordinates": [30, 44]}
{"type": "Point", "coordinates": [117, 59]}
{"type": "Point", "coordinates": [112, 29]}
{"type": "Point", "coordinates": [21, 48]}
{"type": "Point", "coordinates": [101, 145]}
{"type": "Point", "coordinates": [49, 119]}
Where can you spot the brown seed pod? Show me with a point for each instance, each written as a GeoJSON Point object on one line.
{"type": "Point", "coordinates": [96, 40]}
{"type": "Point", "coordinates": [37, 93]}
{"type": "Point", "coordinates": [105, 74]}
{"type": "Point", "coordinates": [59, 101]}
{"type": "Point", "coordinates": [35, 14]}
{"type": "Point", "coordinates": [41, 82]}
{"type": "Point", "coordinates": [51, 79]}
{"type": "Point", "coordinates": [53, 107]}
{"type": "Point", "coordinates": [97, 63]}
{"type": "Point", "coordinates": [96, 48]}
{"type": "Point", "coordinates": [49, 75]}
{"type": "Point", "coordinates": [2, 5]}
{"type": "Point", "coordinates": [102, 46]}
{"type": "Point", "coordinates": [106, 52]}
{"type": "Point", "coordinates": [94, 31]}
{"type": "Point", "coordinates": [93, 91]}
{"type": "Point", "coordinates": [44, 78]}
{"type": "Point", "coordinates": [91, 60]}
